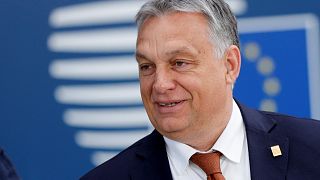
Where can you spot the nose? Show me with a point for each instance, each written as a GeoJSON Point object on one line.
{"type": "Point", "coordinates": [164, 81]}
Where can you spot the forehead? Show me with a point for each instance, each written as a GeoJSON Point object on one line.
{"type": "Point", "coordinates": [173, 30]}
{"type": "Point", "coordinates": [174, 20]}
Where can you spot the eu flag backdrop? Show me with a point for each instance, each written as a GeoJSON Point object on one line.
{"type": "Point", "coordinates": [69, 89]}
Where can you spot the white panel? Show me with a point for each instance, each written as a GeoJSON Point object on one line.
{"type": "Point", "coordinates": [111, 94]}
{"type": "Point", "coordinates": [102, 40]}
{"type": "Point", "coordinates": [100, 118]}
{"type": "Point", "coordinates": [120, 139]}
{"type": "Point", "coordinates": [124, 67]}
{"type": "Point", "coordinates": [238, 7]}
{"type": "Point", "coordinates": [95, 13]}
{"type": "Point", "coordinates": [99, 157]}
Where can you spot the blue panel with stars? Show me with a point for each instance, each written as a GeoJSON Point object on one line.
{"type": "Point", "coordinates": [274, 74]}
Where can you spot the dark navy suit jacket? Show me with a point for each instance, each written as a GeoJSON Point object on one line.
{"type": "Point", "coordinates": [7, 171]}
{"type": "Point", "coordinates": [299, 140]}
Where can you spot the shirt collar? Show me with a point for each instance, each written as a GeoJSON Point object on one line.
{"type": "Point", "coordinates": [179, 153]}
{"type": "Point", "coordinates": [229, 143]}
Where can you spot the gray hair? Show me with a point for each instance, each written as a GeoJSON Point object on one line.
{"type": "Point", "coordinates": [221, 21]}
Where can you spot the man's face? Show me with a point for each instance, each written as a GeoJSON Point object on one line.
{"type": "Point", "coordinates": [183, 86]}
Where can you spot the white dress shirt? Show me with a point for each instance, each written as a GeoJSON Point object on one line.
{"type": "Point", "coordinates": [232, 143]}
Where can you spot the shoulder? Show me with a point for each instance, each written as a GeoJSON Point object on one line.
{"type": "Point", "coordinates": [302, 133]}
{"type": "Point", "coordinates": [295, 124]}
{"type": "Point", "coordinates": [119, 167]}
{"type": "Point", "coordinates": [282, 124]}
{"type": "Point", "coordinates": [303, 136]}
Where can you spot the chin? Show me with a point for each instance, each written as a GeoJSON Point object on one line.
{"type": "Point", "coordinates": [173, 131]}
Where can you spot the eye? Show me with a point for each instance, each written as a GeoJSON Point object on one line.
{"type": "Point", "coordinates": [180, 63]}
{"type": "Point", "coordinates": [146, 69]}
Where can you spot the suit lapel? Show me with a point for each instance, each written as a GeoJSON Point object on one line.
{"type": "Point", "coordinates": [262, 134]}
{"type": "Point", "coordinates": [152, 160]}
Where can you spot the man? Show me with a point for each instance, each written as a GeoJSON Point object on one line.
{"type": "Point", "coordinates": [189, 59]}
{"type": "Point", "coordinates": [7, 171]}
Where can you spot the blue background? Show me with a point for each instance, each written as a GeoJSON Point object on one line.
{"type": "Point", "coordinates": [32, 131]}
{"type": "Point", "coordinates": [289, 56]}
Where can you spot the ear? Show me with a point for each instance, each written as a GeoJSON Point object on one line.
{"type": "Point", "coordinates": [232, 64]}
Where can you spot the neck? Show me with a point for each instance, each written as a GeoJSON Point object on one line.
{"type": "Point", "coordinates": [205, 138]}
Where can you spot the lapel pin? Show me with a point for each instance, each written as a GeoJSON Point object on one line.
{"type": "Point", "coordinates": [276, 151]}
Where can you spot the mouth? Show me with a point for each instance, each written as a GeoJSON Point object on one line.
{"type": "Point", "coordinates": [169, 104]}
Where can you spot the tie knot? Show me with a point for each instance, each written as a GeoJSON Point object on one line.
{"type": "Point", "coordinates": [208, 162]}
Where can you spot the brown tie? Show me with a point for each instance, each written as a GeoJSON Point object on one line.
{"type": "Point", "coordinates": [210, 164]}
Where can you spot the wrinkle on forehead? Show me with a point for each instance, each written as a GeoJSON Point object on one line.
{"type": "Point", "coordinates": [174, 48]}
{"type": "Point", "coordinates": [172, 34]}
{"type": "Point", "coordinates": [173, 20]}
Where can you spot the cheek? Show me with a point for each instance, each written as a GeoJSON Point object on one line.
{"type": "Point", "coordinates": [145, 86]}
{"type": "Point", "coordinates": [205, 89]}
{"type": "Point", "coordinates": [145, 91]}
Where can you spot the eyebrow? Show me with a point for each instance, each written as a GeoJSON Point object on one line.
{"type": "Point", "coordinates": [183, 49]}
{"type": "Point", "coordinates": [139, 55]}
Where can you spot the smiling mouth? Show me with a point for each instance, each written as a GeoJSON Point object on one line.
{"type": "Point", "coordinates": [172, 104]}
